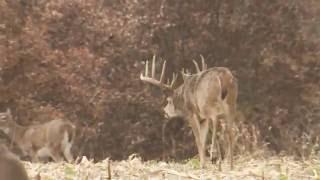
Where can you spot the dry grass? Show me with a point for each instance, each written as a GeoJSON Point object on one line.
{"type": "Point", "coordinates": [250, 167]}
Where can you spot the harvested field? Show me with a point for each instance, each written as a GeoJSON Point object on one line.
{"type": "Point", "coordinates": [253, 167]}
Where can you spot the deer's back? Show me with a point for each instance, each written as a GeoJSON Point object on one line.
{"type": "Point", "coordinates": [58, 128]}
{"type": "Point", "coordinates": [205, 91]}
{"type": "Point", "coordinates": [48, 132]}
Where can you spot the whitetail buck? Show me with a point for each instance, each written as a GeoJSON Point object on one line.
{"type": "Point", "coordinates": [10, 166]}
{"type": "Point", "coordinates": [52, 139]}
{"type": "Point", "coordinates": [203, 97]}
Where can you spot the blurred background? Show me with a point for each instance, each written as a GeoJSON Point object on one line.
{"type": "Point", "coordinates": [81, 60]}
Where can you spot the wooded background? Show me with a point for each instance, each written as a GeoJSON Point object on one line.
{"type": "Point", "coordinates": [81, 60]}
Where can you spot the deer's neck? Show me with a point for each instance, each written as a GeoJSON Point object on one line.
{"type": "Point", "coordinates": [186, 101]}
{"type": "Point", "coordinates": [16, 131]}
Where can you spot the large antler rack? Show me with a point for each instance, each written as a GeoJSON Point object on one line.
{"type": "Point", "coordinates": [152, 80]}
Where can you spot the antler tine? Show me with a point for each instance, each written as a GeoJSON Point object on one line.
{"type": "Point", "coordinates": [153, 70]}
{"type": "Point", "coordinates": [147, 69]}
{"type": "Point", "coordinates": [174, 78]}
{"type": "Point", "coordinates": [163, 70]}
{"type": "Point", "coordinates": [204, 65]}
{"type": "Point", "coordinates": [197, 66]}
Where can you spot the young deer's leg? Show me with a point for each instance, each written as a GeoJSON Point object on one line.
{"type": "Point", "coordinates": [66, 145]}
{"type": "Point", "coordinates": [43, 153]}
{"type": "Point", "coordinates": [35, 158]}
{"type": "Point", "coordinates": [55, 154]}
{"type": "Point", "coordinates": [32, 154]}
{"type": "Point", "coordinates": [67, 153]}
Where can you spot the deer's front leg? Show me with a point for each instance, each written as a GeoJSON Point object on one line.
{"type": "Point", "coordinates": [43, 153]}
{"type": "Point", "coordinates": [33, 155]}
{"type": "Point", "coordinates": [27, 150]}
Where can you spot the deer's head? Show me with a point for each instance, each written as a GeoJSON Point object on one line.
{"type": "Point", "coordinates": [174, 94]}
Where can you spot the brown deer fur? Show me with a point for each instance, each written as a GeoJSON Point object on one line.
{"type": "Point", "coordinates": [10, 166]}
{"type": "Point", "coordinates": [52, 139]}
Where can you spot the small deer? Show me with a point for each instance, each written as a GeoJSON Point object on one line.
{"type": "Point", "coordinates": [203, 97]}
{"type": "Point", "coordinates": [10, 166]}
{"type": "Point", "coordinates": [52, 139]}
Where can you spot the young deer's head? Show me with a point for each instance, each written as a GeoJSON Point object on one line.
{"type": "Point", "coordinates": [5, 120]}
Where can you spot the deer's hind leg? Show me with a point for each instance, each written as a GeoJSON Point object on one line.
{"type": "Point", "coordinates": [67, 154]}
{"type": "Point", "coordinates": [228, 118]}
{"type": "Point", "coordinates": [204, 129]}
{"type": "Point", "coordinates": [214, 143]}
{"type": "Point", "coordinates": [66, 148]}
{"type": "Point", "coordinates": [230, 137]}
{"type": "Point", "coordinates": [55, 153]}
{"type": "Point", "coordinates": [199, 132]}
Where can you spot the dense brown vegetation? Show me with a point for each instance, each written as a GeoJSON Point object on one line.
{"type": "Point", "coordinates": [81, 60]}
